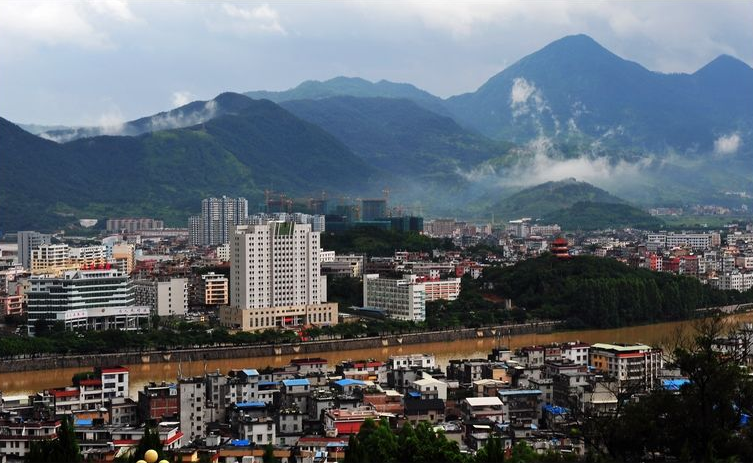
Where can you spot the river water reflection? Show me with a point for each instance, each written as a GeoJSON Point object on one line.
{"type": "Point", "coordinates": [658, 334]}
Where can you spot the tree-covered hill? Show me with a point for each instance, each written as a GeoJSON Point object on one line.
{"type": "Point", "coordinates": [587, 215]}
{"type": "Point", "coordinates": [602, 293]}
{"type": "Point", "coordinates": [548, 198]}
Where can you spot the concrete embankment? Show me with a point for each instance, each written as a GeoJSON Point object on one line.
{"type": "Point", "coordinates": [49, 362]}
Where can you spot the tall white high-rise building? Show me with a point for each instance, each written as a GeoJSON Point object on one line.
{"type": "Point", "coordinates": [217, 217]}
{"type": "Point", "coordinates": [275, 278]}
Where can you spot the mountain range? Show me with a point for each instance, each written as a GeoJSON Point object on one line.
{"type": "Point", "coordinates": [570, 109]}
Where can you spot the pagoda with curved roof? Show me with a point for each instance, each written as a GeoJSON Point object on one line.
{"type": "Point", "coordinates": [560, 248]}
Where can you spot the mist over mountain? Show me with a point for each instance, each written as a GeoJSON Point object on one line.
{"type": "Point", "coordinates": [570, 110]}
{"type": "Point", "coordinates": [574, 87]}
{"type": "Point", "coordinates": [193, 113]}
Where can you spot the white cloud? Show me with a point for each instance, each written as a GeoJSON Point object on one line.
{"type": "Point", "coordinates": [49, 23]}
{"type": "Point", "coordinates": [521, 91]}
{"type": "Point", "coordinates": [178, 118]}
{"type": "Point", "coordinates": [56, 23]}
{"type": "Point", "coordinates": [111, 122]}
{"type": "Point", "coordinates": [262, 18]}
{"type": "Point", "coordinates": [541, 162]}
{"type": "Point", "coordinates": [181, 98]}
{"type": "Point", "coordinates": [727, 144]}
{"type": "Point", "coordinates": [118, 9]}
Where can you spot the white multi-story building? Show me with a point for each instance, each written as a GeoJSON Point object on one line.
{"type": "Point", "coordinates": [165, 298]}
{"type": "Point", "coordinates": [408, 361]}
{"type": "Point", "coordinates": [131, 225]}
{"type": "Point", "coordinates": [18, 435]}
{"type": "Point", "coordinates": [193, 407]}
{"type": "Point", "coordinates": [88, 255]}
{"type": "Point", "coordinates": [545, 230]}
{"type": "Point", "coordinates": [218, 215]}
{"type": "Point", "coordinates": [694, 240]}
{"type": "Point", "coordinates": [275, 278]}
{"type": "Point", "coordinates": [635, 365]}
{"type": "Point", "coordinates": [403, 299]}
{"type": "Point", "coordinates": [735, 280]}
{"type": "Point", "coordinates": [85, 299]}
{"type": "Point", "coordinates": [576, 352]}
{"type": "Point", "coordinates": [115, 381]}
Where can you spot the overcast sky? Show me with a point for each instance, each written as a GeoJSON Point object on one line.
{"type": "Point", "coordinates": [105, 61]}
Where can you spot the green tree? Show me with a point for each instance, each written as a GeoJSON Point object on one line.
{"type": "Point", "coordinates": [269, 454]}
{"type": "Point", "coordinates": [149, 441]}
{"type": "Point", "coordinates": [63, 448]}
{"type": "Point", "coordinates": [492, 452]}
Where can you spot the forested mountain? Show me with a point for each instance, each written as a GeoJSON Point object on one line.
{"type": "Point", "coordinates": [353, 86]}
{"type": "Point", "coordinates": [398, 135]}
{"type": "Point", "coordinates": [193, 113]}
{"type": "Point", "coordinates": [167, 173]}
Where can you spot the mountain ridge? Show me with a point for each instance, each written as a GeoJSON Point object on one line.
{"type": "Point", "coordinates": [167, 173]}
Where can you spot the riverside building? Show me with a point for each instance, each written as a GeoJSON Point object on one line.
{"type": "Point", "coordinates": [98, 299]}
{"type": "Point", "coordinates": [275, 278]}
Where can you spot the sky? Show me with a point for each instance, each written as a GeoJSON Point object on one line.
{"type": "Point", "coordinates": [102, 62]}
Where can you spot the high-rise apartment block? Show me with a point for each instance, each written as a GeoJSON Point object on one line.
{"type": "Point", "coordinates": [218, 215]}
{"type": "Point", "coordinates": [28, 240]}
{"type": "Point", "coordinates": [275, 279]}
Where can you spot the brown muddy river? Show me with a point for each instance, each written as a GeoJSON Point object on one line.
{"type": "Point", "coordinates": [658, 334]}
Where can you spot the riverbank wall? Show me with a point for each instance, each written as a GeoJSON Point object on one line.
{"type": "Point", "coordinates": [304, 349]}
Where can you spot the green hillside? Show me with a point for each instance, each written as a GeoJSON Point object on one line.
{"type": "Point", "coordinates": [548, 198]}
{"type": "Point", "coordinates": [398, 135]}
{"type": "Point", "coordinates": [167, 173]}
{"type": "Point", "coordinates": [602, 293]}
{"type": "Point", "coordinates": [587, 215]}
